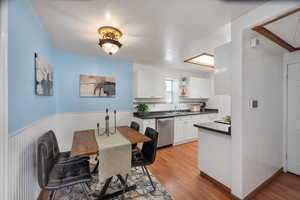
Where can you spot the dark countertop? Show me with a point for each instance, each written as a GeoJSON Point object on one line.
{"type": "Point", "coordinates": [165, 114]}
{"type": "Point", "coordinates": [216, 127]}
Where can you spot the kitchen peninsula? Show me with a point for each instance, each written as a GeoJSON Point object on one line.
{"type": "Point", "coordinates": [214, 151]}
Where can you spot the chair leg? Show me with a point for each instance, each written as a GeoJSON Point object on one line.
{"type": "Point", "coordinates": [149, 178]}
{"type": "Point", "coordinates": [53, 195]}
{"type": "Point", "coordinates": [143, 170]}
{"type": "Point", "coordinates": [125, 187]}
{"type": "Point", "coordinates": [85, 191]}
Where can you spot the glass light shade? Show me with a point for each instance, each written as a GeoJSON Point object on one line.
{"type": "Point", "coordinates": [205, 59]}
{"type": "Point", "coordinates": [110, 48]}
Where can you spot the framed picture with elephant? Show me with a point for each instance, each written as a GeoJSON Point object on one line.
{"type": "Point", "coordinates": [97, 86]}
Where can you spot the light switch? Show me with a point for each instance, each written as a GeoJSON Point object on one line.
{"type": "Point", "coordinates": [253, 103]}
{"type": "Point", "coordinates": [254, 42]}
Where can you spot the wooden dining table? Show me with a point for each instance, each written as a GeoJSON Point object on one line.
{"type": "Point", "coordinates": [84, 143]}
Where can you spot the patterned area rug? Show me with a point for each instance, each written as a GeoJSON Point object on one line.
{"type": "Point", "coordinates": [143, 191]}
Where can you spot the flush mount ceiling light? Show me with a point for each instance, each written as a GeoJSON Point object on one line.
{"type": "Point", "coordinates": [204, 59]}
{"type": "Point", "coordinates": [109, 39]}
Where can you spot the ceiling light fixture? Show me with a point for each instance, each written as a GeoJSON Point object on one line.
{"type": "Point", "coordinates": [204, 59]}
{"type": "Point", "coordinates": [109, 39]}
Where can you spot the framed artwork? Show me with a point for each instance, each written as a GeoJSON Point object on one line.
{"type": "Point", "coordinates": [97, 86]}
{"type": "Point", "coordinates": [43, 77]}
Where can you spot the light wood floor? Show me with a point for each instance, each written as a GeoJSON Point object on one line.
{"type": "Point", "coordinates": [176, 168]}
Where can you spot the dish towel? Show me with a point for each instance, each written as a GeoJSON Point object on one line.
{"type": "Point", "coordinates": [114, 155]}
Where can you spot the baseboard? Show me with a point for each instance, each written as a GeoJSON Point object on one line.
{"type": "Point", "coordinates": [217, 183]}
{"type": "Point", "coordinates": [263, 185]}
{"type": "Point", "coordinates": [186, 141]}
{"type": "Point", "coordinates": [233, 197]}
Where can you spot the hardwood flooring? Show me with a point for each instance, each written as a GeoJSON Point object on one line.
{"type": "Point", "coordinates": [176, 168]}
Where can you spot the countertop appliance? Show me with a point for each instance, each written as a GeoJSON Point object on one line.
{"type": "Point", "coordinates": [198, 107]}
{"type": "Point", "coordinates": [165, 128]}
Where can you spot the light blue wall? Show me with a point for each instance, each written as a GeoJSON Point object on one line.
{"type": "Point", "coordinates": [25, 36]}
{"type": "Point", "coordinates": [68, 69]}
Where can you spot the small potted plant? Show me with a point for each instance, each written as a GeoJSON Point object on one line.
{"type": "Point", "coordinates": [142, 108]}
{"type": "Point", "coordinates": [227, 119]}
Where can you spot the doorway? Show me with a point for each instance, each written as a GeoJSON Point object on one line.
{"type": "Point", "coordinates": [293, 118]}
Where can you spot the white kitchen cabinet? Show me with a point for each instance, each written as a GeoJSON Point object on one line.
{"type": "Point", "coordinates": [178, 131]}
{"type": "Point", "coordinates": [199, 88]}
{"type": "Point", "coordinates": [222, 75]}
{"type": "Point", "coordinates": [144, 123]}
{"type": "Point", "coordinates": [148, 123]}
{"type": "Point", "coordinates": [184, 127]}
{"type": "Point", "coordinates": [184, 130]}
{"type": "Point", "coordinates": [149, 84]}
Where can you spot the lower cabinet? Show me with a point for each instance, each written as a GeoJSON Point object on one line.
{"type": "Point", "coordinates": [184, 130]}
{"type": "Point", "coordinates": [148, 123]}
{"type": "Point", "coordinates": [178, 131]}
{"type": "Point", "coordinates": [184, 127]}
{"type": "Point", "coordinates": [144, 123]}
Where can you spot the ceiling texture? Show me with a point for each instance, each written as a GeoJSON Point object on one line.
{"type": "Point", "coordinates": [154, 31]}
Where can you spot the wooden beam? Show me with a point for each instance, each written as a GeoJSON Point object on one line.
{"type": "Point", "coordinates": [268, 34]}
{"type": "Point", "coordinates": [281, 16]}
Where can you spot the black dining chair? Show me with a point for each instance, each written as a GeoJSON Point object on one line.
{"type": "Point", "coordinates": [63, 157]}
{"type": "Point", "coordinates": [134, 125]}
{"type": "Point", "coordinates": [54, 175]}
{"type": "Point", "coordinates": [147, 155]}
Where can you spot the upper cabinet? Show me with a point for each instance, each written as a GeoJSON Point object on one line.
{"type": "Point", "coordinates": [222, 76]}
{"type": "Point", "coordinates": [199, 88]}
{"type": "Point", "coordinates": [148, 84]}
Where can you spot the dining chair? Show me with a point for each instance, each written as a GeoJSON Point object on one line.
{"type": "Point", "coordinates": [134, 125]}
{"type": "Point", "coordinates": [147, 155]}
{"type": "Point", "coordinates": [63, 157]}
{"type": "Point", "coordinates": [54, 175]}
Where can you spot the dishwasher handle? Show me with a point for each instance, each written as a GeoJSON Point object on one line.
{"type": "Point", "coordinates": [165, 119]}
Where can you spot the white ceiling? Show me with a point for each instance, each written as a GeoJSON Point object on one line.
{"type": "Point", "coordinates": [155, 31]}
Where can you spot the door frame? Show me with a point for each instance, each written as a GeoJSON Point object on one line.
{"type": "Point", "coordinates": [4, 96]}
{"type": "Point", "coordinates": [288, 59]}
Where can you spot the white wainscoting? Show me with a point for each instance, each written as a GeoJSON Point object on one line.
{"type": "Point", "coordinates": [67, 123]}
{"type": "Point", "coordinates": [23, 184]}
{"type": "Point", "coordinates": [22, 170]}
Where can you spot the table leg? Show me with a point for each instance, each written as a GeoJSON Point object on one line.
{"type": "Point", "coordinates": [102, 194]}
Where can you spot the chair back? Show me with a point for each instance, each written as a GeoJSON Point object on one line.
{"type": "Point", "coordinates": [149, 148]}
{"type": "Point", "coordinates": [45, 158]}
{"type": "Point", "coordinates": [52, 136]}
{"type": "Point", "coordinates": [135, 126]}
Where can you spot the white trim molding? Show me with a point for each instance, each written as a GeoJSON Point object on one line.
{"type": "Point", "coordinates": [3, 98]}
{"type": "Point", "coordinates": [288, 59]}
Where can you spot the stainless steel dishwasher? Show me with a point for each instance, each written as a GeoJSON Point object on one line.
{"type": "Point", "coordinates": [165, 128]}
